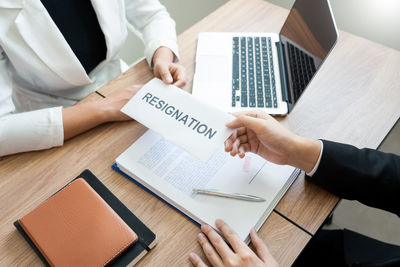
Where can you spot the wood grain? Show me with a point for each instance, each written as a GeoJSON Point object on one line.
{"type": "Point", "coordinates": [43, 173]}
{"type": "Point", "coordinates": [356, 87]}
{"type": "Point", "coordinates": [354, 99]}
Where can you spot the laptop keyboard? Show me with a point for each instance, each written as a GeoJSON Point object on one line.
{"type": "Point", "coordinates": [253, 77]}
{"type": "Point", "coordinates": [302, 69]}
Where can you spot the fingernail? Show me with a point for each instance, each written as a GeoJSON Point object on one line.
{"type": "Point", "coordinates": [192, 256]}
{"type": "Point", "coordinates": [254, 232]}
{"type": "Point", "coordinates": [205, 227]}
{"type": "Point", "coordinates": [200, 236]}
{"type": "Point", "coordinates": [218, 222]}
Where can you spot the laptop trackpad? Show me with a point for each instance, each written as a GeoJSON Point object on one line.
{"type": "Point", "coordinates": [212, 69]}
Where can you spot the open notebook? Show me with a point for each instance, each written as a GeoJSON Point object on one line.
{"type": "Point", "coordinates": [171, 174]}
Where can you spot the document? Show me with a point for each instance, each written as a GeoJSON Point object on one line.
{"type": "Point", "coordinates": [176, 167]}
{"type": "Point", "coordinates": [192, 124]}
{"type": "Point", "coordinates": [171, 173]}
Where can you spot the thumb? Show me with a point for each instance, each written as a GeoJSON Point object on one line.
{"type": "Point", "coordinates": [165, 74]}
{"type": "Point", "coordinates": [261, 248]}
{"type": "Point", "coordinates": [245, 121]}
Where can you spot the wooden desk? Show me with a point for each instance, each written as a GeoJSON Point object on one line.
{"type": "Point", "coordinates": [354, 99]}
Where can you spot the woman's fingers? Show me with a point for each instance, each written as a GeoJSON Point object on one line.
{"type": "Point", "coordinates": [196, 261]}
{"type": "Point", "coordinates": [218, 243]}
{"type": "Point", "coordinates": [233, 238]}
{"type": "Point", "coordinates": [178, 73]}
{"type": "Point", "coordinates": [180, 83]}
{"type": "Point", "coordinates": [209, 251]}
{"type": "Point", "coordinates": [161, 70]}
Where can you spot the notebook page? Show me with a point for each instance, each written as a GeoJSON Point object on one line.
{"type": "Point", "coordinates": [172, 173]}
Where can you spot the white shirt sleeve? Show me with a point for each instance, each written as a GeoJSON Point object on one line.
{"type": "Point", "coordinates": [311, 173]}
{"type": "Point", "coordinates": [153, 21]}
{"type": "Point", "coordinates": [35, 130]}
{"type": "Point", "coordinates": [6, 103]}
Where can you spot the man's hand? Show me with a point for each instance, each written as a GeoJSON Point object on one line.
{"type": "Point", "coordinates": [258, 132]}
{"type": "Point", "coordinates": [166, 70]}
{"type": "Point", "coordinates": [219, 253]}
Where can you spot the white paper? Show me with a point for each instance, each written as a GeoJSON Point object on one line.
{"type": "Point", "coordinates": [194, 125]}
{"type": "Point", "coordinates": [172, 173]}
{"type": "Point", "coordinates": [172, 164]}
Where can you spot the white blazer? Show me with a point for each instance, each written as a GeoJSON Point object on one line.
{"type": "Point", "coordinates": [39, 72]}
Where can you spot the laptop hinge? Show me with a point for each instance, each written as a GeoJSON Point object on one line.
{"type": "Point", "coordinates": [282, 71]}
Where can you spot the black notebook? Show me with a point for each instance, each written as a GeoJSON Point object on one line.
{"type": "Point", "coordinates": [147, 239]}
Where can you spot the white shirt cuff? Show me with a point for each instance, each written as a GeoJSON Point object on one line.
{"type": "Point", "coordinates": [150, 49]}
{"type": "Point", "coordinates": [311, 173]}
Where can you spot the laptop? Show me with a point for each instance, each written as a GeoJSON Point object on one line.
{"type": "Point", "coordinates": [240, 71]}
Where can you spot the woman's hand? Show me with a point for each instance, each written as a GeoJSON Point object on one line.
{"type": "Point", "coordinates": [258, 132]}
{"type": "Point", "coordinates": [84, 116]}
{"type": "Point", "coordinates": [111, 105]}
{"type": "Point", "coordinates": [219, 253]}
{"type": "Point", "coordinates": [166, 70]}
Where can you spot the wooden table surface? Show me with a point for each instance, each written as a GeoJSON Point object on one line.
{"type": "Point", "coordinates": [355, 98]}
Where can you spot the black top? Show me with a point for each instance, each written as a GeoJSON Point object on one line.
{"type": "Point", "coordinates": [77, 21]}
{"type": "Point", "coordinates": [369, 176]}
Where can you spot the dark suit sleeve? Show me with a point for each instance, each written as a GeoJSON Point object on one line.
{"type": "Point", "coordinates": [366, 175]}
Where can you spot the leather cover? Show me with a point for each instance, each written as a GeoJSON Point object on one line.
{"type": "Point", "coordinates": [76, 227]}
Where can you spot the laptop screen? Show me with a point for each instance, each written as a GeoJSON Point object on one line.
{"type": "Point", "coordinates": [307, 36]}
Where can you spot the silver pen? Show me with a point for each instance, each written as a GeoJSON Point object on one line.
{"type": "Point", "coordinates": [218, 193]}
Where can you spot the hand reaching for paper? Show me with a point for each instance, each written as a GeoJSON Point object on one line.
{"type": "Point", "coordinates": [258, 132]}
{"type": "Point", "coordinates": [84, 116]}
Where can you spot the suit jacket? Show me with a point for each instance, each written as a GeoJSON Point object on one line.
{"type": "Point", "coordinates": [39, 70]}
{"type": "Point", "coordinates": [371, 177]}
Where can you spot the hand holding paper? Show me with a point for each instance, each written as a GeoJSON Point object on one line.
{"type": "Point", "coordinates": [190, 123]}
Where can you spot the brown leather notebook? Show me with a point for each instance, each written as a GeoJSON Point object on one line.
{"type": "Point", "coordinates": [76, 227]}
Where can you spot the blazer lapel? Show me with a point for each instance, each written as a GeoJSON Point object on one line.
{"type": "Point", "coordinates": [41, 33]}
